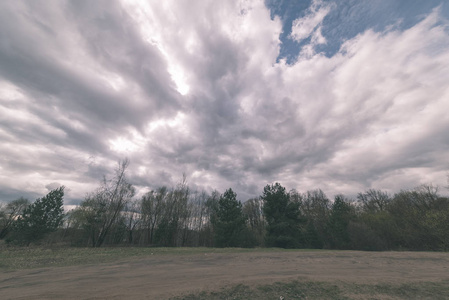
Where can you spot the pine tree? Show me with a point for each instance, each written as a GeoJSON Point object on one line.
{"type": "Point", "coordinates": [40, 218]}
{"type": "Point", "coordinates": [228, 220]}
{"type": "Point", "coordinates": [341, 214]}
{"type": "Point", "coordinates": [283, 217]}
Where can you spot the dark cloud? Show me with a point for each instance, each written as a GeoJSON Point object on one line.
{"type": "Point", "coordinates": [8, 195]}
{"type": "Point", "coordinates": [84, 84]}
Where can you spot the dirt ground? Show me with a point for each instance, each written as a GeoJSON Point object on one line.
{"type": "Point", "coordinates": [163, 276]}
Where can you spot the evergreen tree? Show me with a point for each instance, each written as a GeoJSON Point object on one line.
{"type": "Point", "coordinates": [40, 218]}
{"type": "Point", "coordinates": [228, 220]}
{"type": "Point", "coordinates": [341, 214]}
{"type": "Point", "coordinates": [283, 217]}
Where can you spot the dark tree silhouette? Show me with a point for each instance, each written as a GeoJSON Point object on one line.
{"type": "Point", "coordinates": [10, 213]}
{"type": "Point", "coordinates": [40, 218]}
{"type": "Point", "coordinates": [283, 217]}
{"type": "Point", "coordinates": [228, 220]}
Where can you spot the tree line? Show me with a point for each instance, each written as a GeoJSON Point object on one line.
{"type": "Point", "coordinates": [416, 219]}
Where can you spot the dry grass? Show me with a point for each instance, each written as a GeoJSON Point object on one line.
{"type": "Point", "coordinates": [211, 273]}
{"type": "Point", "coordinates": [18, 258]}
{"type": "Point", "coordinates": [326, 290]}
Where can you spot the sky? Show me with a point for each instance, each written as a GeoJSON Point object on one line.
{"type": "Point", "coordinates": [341, 95]}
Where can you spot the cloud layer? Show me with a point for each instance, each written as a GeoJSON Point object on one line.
{"type": "Point", "coordinates": [196, 88]}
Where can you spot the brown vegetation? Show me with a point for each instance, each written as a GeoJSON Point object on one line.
{"type": "Point", "coordinates": [166, 273]}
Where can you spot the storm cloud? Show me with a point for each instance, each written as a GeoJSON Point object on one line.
{"type": "Point", "coordinates": [200, 87]}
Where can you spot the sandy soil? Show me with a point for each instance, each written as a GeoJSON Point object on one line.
{"type": "Point", "coordinates": [162, 276]}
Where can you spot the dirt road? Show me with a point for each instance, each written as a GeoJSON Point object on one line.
{"type": "Point", "coordinates": [162, 276]}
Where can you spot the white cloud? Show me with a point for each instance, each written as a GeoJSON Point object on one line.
{"type": "Point", "coordinates": [201, 93]}
{"type": "Point", "coordinates": [310, 24]}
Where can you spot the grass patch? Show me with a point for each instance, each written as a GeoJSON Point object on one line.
{"type": "Point", "coordinates": [290, 290]}
{"type": "Point", "coordinates": [416, 290]}
{"type": "Point", "coordinates": [326, 290]}
{"type": "Point", "coordinates": [17, 258]}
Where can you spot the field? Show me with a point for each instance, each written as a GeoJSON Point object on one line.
{"type": "Point", "coordinates": [206, 273]}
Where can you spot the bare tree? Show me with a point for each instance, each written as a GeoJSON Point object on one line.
{"type": "Point", "coordinates": [316, 208]}
{"type": "Point", "coordinates": [102, 208]}
{"type": "Point", "coordinates": [152, 207]}
{"type": "Point", "coordinates": [10, 213]}
{"type": "Point", "coordinates": [171, 230]}
{"type": "Point", "coordinates": [373, 200]}
{"type": "Point", "coordinates": [253, 210]}
{"type": "Point", "coordinates": [198, 217]}
{"type": "Point", "coordinates": [132, 217]}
